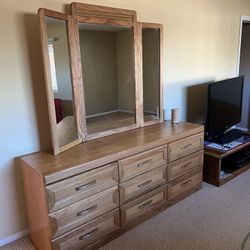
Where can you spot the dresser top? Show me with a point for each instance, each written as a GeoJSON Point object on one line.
{"type": "Point", "coordinates": [95, 153]}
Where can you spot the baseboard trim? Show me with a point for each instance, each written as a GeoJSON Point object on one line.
{"type": "Point", "coordinates": [13, 237]}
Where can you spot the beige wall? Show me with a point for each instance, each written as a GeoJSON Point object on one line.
{"type": "Point", "coordinates": [98, 52]}
{"type": "Point", "coordinates": [125, 72]}
{"type": "Point", "coordinates": [200, 43]}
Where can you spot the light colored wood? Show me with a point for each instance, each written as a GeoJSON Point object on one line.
{"type": "Point", "coordinates": [141, 163]}
{"type": "Point", "coordinates": [81, 186]}
{"type": "Point", "coordinates": [39, 229]}
{"type": "Point", "coordinates": [185, 146]}
{"type": "Point", "coordinates": [143, 205]}
{"type": "Point", "coordinates": [93, 154]}
{"type": "Point", "coordinates": [185, 165]}
{"type": "Point", "coordinates": [76, 75]}
{"type": "Point", "coordinates": [104, 21]}
{"type": "Point", "coordinates": [57, 147]}
{"type": "Point", "coordinates": [81, 212]}
{"type": "Point", "coordinates": [108, 124]}
{"type": "Point", "coordinates": [184, 184]}
{"type": "Point", "coordinates": [141, 184]}
{"type": "Point", "coordinates": [89, 232]}
{"type": "Point", "coordinates": [66, 130]}
{"type": "Point", "coordinates": [138, 75]}
{"type": "Point", "coordinates": [143, 25]}
{"type": "Point", "coordinates": [135, 145]}
{"type": "Point", "coordinates": [103, 14]}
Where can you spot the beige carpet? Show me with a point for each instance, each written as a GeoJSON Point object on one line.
{"type": "Point", "coordinates": [211, 219]}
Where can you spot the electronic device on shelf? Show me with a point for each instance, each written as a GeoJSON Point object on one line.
{"type": "Point", "coordinates": [237, 160]}
{"type": "Point", "coordinates": [224, 107]}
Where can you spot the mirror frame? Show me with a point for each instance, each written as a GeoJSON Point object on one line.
{"type": "Point", "coordinates": [94, 14]}
{"type": "Point", "coordinates": [141, 26]}
{"type": "Point", "coordinates": [48, 80]}
{"type": "Point", "coordinates": [100, 15]}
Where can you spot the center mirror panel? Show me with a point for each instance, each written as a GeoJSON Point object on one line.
{"type": "Point", "coordinates": [151, 74]}
{"type": "Point", "coordinates": [107, 58]}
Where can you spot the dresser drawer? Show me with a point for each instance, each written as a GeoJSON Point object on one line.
{"type": "Point", "coordinates": [184, 165]}
{"type": "Point", "coordinates": [140, 184]}
{"type": "Point", "coordinates": [89, 233]}
{"type": "Point", "coordinates": [184, 184]}
{"type": "Point", "coordinates": [181, 148]}
{"type": "Point", "coordinates": [143, 162]}
{"type": "Point", "coordinates": [83, 211]}
{"type": "Point", "coordinates": [143, 205]}
{"type": "Point", "coordinates": [79, 187]}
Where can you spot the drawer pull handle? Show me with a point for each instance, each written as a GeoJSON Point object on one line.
{"type": "Point", "coordinates": [88, 210]}
{"type": "Point", "coordinates": [186, 146]}
{"type": "Point", "coordinates": [144, 162]}
{"type": "Point", "coordinates": [145, 183]}
{"type": "Point", "coordinates": [186, 165]}
{"type": "Point", "coordinates": [85, 185]}
{"type": "Point", "coordinates": [186, 182]}
{"type": "Point", "coordinates": [83, 237]}
{"type": "Point", "coordinates": [146, 204]}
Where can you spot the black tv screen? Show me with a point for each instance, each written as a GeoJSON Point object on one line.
{"type": "Point", "coordinates": [224, 105]}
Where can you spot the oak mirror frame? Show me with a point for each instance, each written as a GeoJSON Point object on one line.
{"type": "Point", "coordinates": [105, 19]}
{"type": "Point", "coordinates": [151, 36]}
{"type": "Point", "coordinates": [60, 87]}
{"type": "Point", "coordinates": [106, 42]}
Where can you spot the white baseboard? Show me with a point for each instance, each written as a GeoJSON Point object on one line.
{"type": "Point", "coordinates": [13, 237]}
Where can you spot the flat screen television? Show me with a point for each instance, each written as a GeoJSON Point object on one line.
{"type": "Point", "coordinates": [224, 106]}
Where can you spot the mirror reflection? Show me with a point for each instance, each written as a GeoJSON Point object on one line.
{"type": "Point", "coordinates": [151, 73]}
{"type": "Point", "coordinates": [59, 65]}
{"type": "Point", "coordinates": [107, 56]}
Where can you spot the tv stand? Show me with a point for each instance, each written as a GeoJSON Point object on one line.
{"type": "Point", "coordinates": [222, 166]}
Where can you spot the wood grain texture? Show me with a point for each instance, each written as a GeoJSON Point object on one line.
{"type": "Point", "coordinates": [184, 184]}
{"type": "Point", "coordinates": [81, 212]}
{"type": "Point", "coordinates": [213, 164]}
{"type": "Point", "coordinates": [143, 25]}
{"type": "Point", "coordinates": [92, 154]}
{"type": "Point", "coordinates": [138, 75]}
{"type": "Point", "coordinates": [143, 183]}
{"type": "Point", "coordinates": [88, 233]}
{"type": "Point", "coordinates": [143, 205]}
{"type": "Point", "coordinates": [185, 165]}
{"type": "Point", "coordinates": [185, 147]}
{"type": "Point", "coordinates": [103, 12]}
{"type": "Point", "coordinates": [57, 147]}
{"type": "Point", "coordinates": [140, 163]}
{"type": "Point", "coordinates": [77, 79]}
{"type": "Point", "coordinates": [81, 186]}
{"type": "Point", "coordinates": [39, 225]}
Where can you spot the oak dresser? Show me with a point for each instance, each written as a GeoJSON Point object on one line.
{"type": "Point", "coordinates": [94, 192]}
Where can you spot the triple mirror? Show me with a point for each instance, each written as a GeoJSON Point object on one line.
{"type": "Point", "coordinates": [103, 72]}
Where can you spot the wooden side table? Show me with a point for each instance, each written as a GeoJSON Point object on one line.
{"type": "Point", "coordinates": [216, 161]}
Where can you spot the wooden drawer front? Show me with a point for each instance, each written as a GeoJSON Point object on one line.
{"type": "Point", "coordinates": [138, 185]}
{"type": "Point", "coordinates": [79, 187]}
{"type": "Point", "coordinates": [143, 162]}
{"type": "Point", "coordinates": [143, 205]}
{"type": "Point", "coordinates": [87, 234]}
{"type": "Point", "coordinates": [178, 187]}
{"type": "Point", "coordinates": [82, 212]}
{"type": "Point", "coordinates": [181, 148]}
{"type": "Point", "coordinates": [184, 165]}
